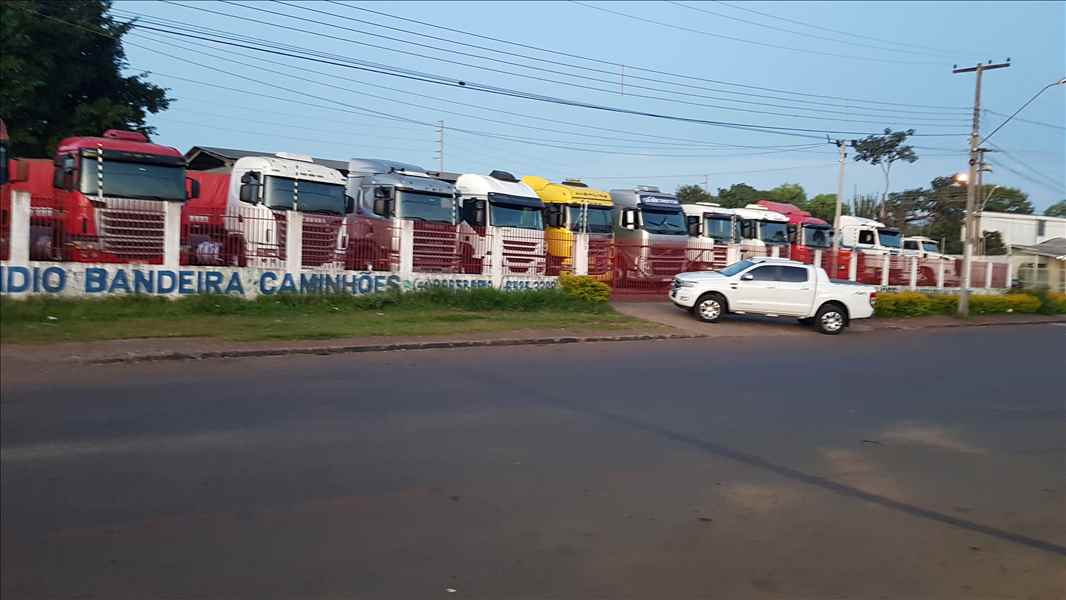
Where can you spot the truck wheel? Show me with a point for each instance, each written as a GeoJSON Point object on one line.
{"type": "Point", "coordinates": [710, 308]}
{"type": "Point", "coordinates": [830, 319]}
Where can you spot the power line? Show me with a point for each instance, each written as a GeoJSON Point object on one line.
{"type": "Point", "coordinates": [819, 27]}
{"type": "Point", "coordinates": [451, 82]}
{"type": "Point", "coordinates": [744, 41]}
{"type": "Point", "coordinates": [1058, 188]}
{"type": "Point", "coordinates": [1027, 167]}
{"type": "Point", "coordinates": [880, 118]}
{"type": "Point", "coordinates": [1021, 120]}
{"type": "Point", "coordinates": [1022, 107]}
{"type": "Point", "coordinates": [942, 108]}
{"type": "Point", "coordinates": [801, 33]}
{"type": "Point", "coordinates": [688, 175]}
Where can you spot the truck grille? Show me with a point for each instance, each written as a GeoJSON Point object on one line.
{"type": "Point", "coordinates": [320, 239]}
{"type": "Point", "coordinates": [132, 229]}
{"type": "Point", "coordinates": [599, 256]}
{"type": "Point", "coordinates": [435, 248]}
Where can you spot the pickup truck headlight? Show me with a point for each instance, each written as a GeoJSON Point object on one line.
{"type": "Point", "coordinates": [681, 283]}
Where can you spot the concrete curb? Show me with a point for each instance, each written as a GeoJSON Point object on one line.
{"type": "Point", "coordinates": [964, 324]}
{"type": "Point", "coordinates": [326, 350]}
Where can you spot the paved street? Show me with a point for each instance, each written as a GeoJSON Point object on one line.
{"type": "Point", "coordinates": [888, 464]}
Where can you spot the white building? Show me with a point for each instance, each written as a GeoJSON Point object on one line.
{"type": "Point", "coordinates": [1034, 243]}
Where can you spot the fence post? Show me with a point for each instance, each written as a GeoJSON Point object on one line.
{"type": "Point", "coordinates": [775, 251]}
{"type": "Point", "coordinates": [732, 254]}
{"type": "Point", "coordinates": [886, 264]}
{"type": "Point", "coordinates": [407, 248]}
{"type": "Point", "coordinates": [19, 238]}
{"type": "Point", "coordinates": [853, 266]}
{"type": "Point", "coordinates": [294, 233]}
{"type": "Point", "coordinates": [818, 261]}
{"type": "Point", "coordinates": [581, 254]}
{"type": "Point", "coordinates": [1010, 272]}
{"type": "Point", "coordinates": [171, 234]}
{"type": "Point", "coordinates": [940, 273]}
{"type": "Point", "coordinates": [914, 272]}
{"type": "Point", "coordinates": [988, 274]}
{"type": "Point", "coordinates": [496, 268]}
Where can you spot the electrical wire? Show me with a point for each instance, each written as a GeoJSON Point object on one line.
{"type": "Point", "coordinates": [744, 41]}
{"type": "Point", "coordinates": [1021, 108]}
{"type": "Point", "coordinates": [707, 174]}
{"type": "Point", "coordinates": [1029, 121]}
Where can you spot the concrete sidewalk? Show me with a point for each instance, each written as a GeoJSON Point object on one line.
{"type": "Point", "coordinates": [669, 315]}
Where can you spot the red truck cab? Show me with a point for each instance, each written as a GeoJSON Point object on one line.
{"type": "Point", "coordinates": [808, 234]}
{"type": "Point", "coordinates": [101, 199]}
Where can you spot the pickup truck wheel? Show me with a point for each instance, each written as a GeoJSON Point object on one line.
{"type": "Point", "coordinates": [830, 319]}
{"type": "Point", "coordinates": [709, 308]}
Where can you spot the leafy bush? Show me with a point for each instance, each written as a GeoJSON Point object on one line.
{"type": "Point", "coordinates": [1054, 303]}
{"type": "Point", "coordinates": [915, 304]}
{"type": "Point", "coordinates": [585, 288]}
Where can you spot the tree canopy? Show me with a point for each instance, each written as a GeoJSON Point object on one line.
{"type": "Point", "coordinates": [61, 80]}
{"type": "Point", "coordinates": [739, 195]}
{"type": "Point", "coordinates": [1057, 209]}
{"type": "Point", "coordinates": [690, 194]}
{"type": "Point", "coordinates": [884, 151]}
{"type": "Point", "coordinates": [824, 207]}
{"type": "Point", "coordinates": [792, 193]}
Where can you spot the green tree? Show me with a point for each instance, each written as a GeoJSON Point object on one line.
{"type": "Point", "coordinates": [884, 151]}
{"type": "Point", "coordinates": [1006, 199]}
{"type": "Point", "coordinates": [942, 207]}
{"type": "Point", "coordinates": [739, 195]}
{"type": "Point", "coordinates": [867, 206]}
{"type": "Point", "coordinates": [824, 207]}
{"type": "Point", "coordinates": [993, 244]}
{"type": "Point", "coordinates": [61, 80]}
{"type": "Point", "coordinates": [1057, 209]}
{"type": "Point", "coordinates": [691, 194]}
{"type": "Point", "coordinates": [792, 193]}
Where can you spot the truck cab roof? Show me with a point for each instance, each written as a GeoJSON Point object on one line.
{"type": "Point", "coordinates": [644, 196]}
{"type": "Point", "coordinates": [754, 212]}
{"type": "Point", "coordinates": [473, 184]}
{"type": "Point", "coordinates": [118, 141]}
{"type": "Point", "coordinates": [568, 192]}
{"type": "Point", "coordinates": [702, 209]}
{"type": "Point", "coordinates": [397, 174]}
{"type": "Point", "coordinates": [853, 221]}
{"type": "Point", "coordinates": [290, 167]}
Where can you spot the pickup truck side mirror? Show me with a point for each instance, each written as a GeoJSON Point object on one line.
{"type": "Point", "coordinates": [747, 277]}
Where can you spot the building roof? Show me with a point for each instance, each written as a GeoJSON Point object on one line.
{"type": "Point", "coordinates": [206, 158]}
{"type": "Point", "coordinates": [1055, 248]}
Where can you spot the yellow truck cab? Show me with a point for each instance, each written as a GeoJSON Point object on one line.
{"type": "Point", "coordinates": [572, 208]}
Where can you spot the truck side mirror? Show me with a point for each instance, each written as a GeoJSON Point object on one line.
{"type": "Point", "coordinates": [629, 219]}
{"type": "Point", "coordinates": [250, 193]}
{"type": "Point", "coordinates": [479, 213]}
{"type": "Point", "coordinates": [21, 172]}
{"type": "Point", "coordinates": [383, 206]}
{"type": "Point", "coordinates": [349, 204]}
{"type": "Point", "coordinates": [693, 225]}
{"type": "Point", "coordinates": [192, 188]}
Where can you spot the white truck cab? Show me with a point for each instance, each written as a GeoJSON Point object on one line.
{"type": "Point", "coordinates": [710, 229]}
{"type": "Point", "coordinates": [501, 214]}
{"type": "Point", "coordinates": [922, 247]}
{"type": "Point", "coordinates": [774, 287]}
{"type": "Point", "coordinates": [869, 235]}
{"type": "Point", "coordinates": [762, 231]}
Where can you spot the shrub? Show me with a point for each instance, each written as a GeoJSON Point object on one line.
{"type": "Point", "coordinates": [1054, 303]}
{"type": "Point", "coordinates": [585, 288]}
{"type": "Point", "coordinates": [915, 304]}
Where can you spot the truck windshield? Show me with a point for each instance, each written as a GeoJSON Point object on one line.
{"type": "Point", "coordinates": [817, 237]}
{"type": "Point", "coordinates": [773, 232]}
{"type": "Point", "coordinates": [735, 268]}
{"type": "Point", "coordinates": [511, 215]}
{"type": "Point", "coordinates": [314, 196]}
{"type": "Point", "coordinates": [134, 180]}
{"type": "Point", "coordinates": [664, 222]}
{"type": "Point", "coordinates": [930, 247]}
{"type": "Point", "coordinates": [427, 207]}
{"type": "Point", "coordinates": [890, 238]}
{"type": "Point", "coordinates": [599, 219]}
{"type": "Point", "coordinates": [719, 228]}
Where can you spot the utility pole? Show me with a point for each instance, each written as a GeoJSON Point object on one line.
{"type": "Point", "coordinates": [440, 146]}
{"type": "Point", "coordinates": [971, 182]}
{"type": "Point", "coordinates": [707, 183]}
{"type": "Point", "coordinates": [843, 146]}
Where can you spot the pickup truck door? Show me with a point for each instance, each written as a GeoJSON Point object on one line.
{"type": "Point", "coordinates": [795, 290]}
{"type": "Point", "coordinates": [755, 290]}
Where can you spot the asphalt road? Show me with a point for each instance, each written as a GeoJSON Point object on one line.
{"type": "Point", "coordinates": [878, 465]}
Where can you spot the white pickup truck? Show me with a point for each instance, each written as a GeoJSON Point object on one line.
{"type": "Point", "coordinates": [775, 287]}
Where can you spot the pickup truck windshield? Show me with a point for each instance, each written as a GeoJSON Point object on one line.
{"type": "Point", "coordinates": [664, 222]}
{"type": "Point", "coordinates": [427, 207]}
{"type": "Point", "coordinates": [599, 219]}
{"type": "Point", "coordinates": [735, 268]}
{"type": "Point", "coordinates": [773, 232]}
{"type": "Point", "coordinates": [134, 180]}
{"type": "Point", "coordinates": [890, 238]}
{"type": "Point", "coordinates": [314, 196]}
{"type": "Point", "coordinates": [817, 237]}
{"type": "Point", "coordinates": [930, 247]}
{"type": "Point", "coordinates": [522, 217]}
{"type": "Point", "coordinates": [719, 228]}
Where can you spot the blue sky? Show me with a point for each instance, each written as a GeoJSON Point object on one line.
{"type": "Point", "coordinates": [893, 70]}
